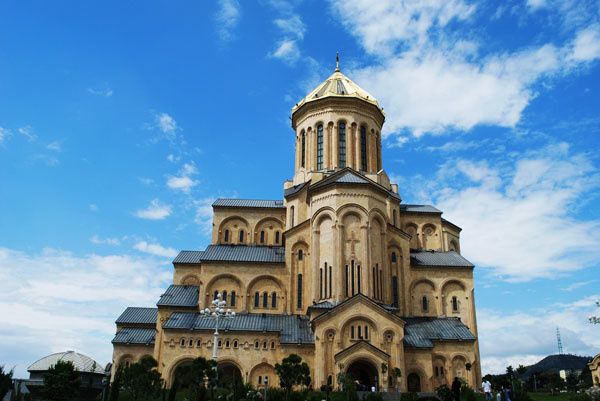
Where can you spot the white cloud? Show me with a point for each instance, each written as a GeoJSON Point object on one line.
{"type": "Point", "coordinates": [106, 92]}
{"type": "Point", "coordinates": [54, 146]}
{"type": "Point", "coordinates": [93, 207]}
{"type": "Point", "coordinates": [227, 18]}
{"type": "Point", "coordinates": [204, 214]}
{"type": "Point", "coordinates": [183, 181]}
{"type": "Point", "coordinates": [586, 46]}
{"type": "Point", "coordinates": [578, 284]}
{"type": "Point", "coordinates": [520, 219]}
{"type": "Point", "coordinates": [28, 133]}
{"type": "Point", "coordinates": [155, 249]}
{"type": "Point", "coordinates": [536, 4]}
{"type": "Point", "coordinates": [513, 338]}
{"type": "Point", "coordinates": [155, 211]}
{"type": "Point", "coordinates": [70, 301]}
{"type": "Point", "coordinates": [287, 51]}
{"type": "Point", "coordinates": [4, 134]}
{"type": "Point", "coordinates": [166, 123]}
{"type": "Point", "coordinates": [105, 241]}
{"type": "Point", "coordinates": [292, 26]}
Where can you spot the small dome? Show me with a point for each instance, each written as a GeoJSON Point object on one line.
{"type": "Point", "coordinates": [82, 363]}
{"type": "Point", "coordinates": [337, 85]}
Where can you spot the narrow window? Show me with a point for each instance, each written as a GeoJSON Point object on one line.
{"type": "Point", "coordinates": [366, 332]}
{"type": "Point", "coordinates": [227, 344]}
{"type": "Point", "coordinates": [198, 343]}
{"type": "Point", "coordinates": [256, 345]}
{"type": "Point", "coordinates": [299, 301]}
{"type": "Point", "coordinates": [363, 148]}
{"type": "Point", "coordinates": [220, 343]}
{"type": "Point", "coordinates": [320, 147]}
{"type": "Point", "coordinates": [325, 280]}
{"type": "Point", "coordinates": [272, 344]}
{"type": "Point", "coordinates": [264, 345]}
{"type": "Point", "coordinates": [425, 304]}
{"type": "Point", "coordinates": [300, 254]}
{"type": "Point", "coordinates": [394, 258]}
{"type": "Point", "coordinates": [277, 237]}
{"type": "Point", "coordinates": [235, 344]}
{"type": "Point", "coordinates": [346, 281]}
{"type": "Point", "coordinates": [394, 217]}
{"type": "Point", "coordinates": [374, 283]}
{"type": "Point", "coordinates": [259, 380]}
{"type": "Point", "coordinates": [360, 332]}
{"type": "Point", "coordinates": [256, 299]}
{"type": "Point", "coordinates": [454, 304]}
{"type": "Point", "coordinates": [216, 294]}
{"type": "Point", "coordinates": [352, 332]}
{"type": "Point", "coordinates": [292, 212]}
{"type": "Point", "coordinates": [342, 144]}
{"type": "Point", "coordinates": [321, 283]}
{"type": "Point", "coordinates": [232, 302]}
{"type": "Point", "coordinates": [352, 263]}
{"type": "Point", "coordinates": [225, 296]}
{"type": "Point", "coordinates": [182, 342]}
{"type": "Point", "coordinates": [303, 139]}
{"type": "Point", "coordinates": [262, 237]}
{"type": "Point", "coordinates": [226, 236]}
{"type": "Point", "coordinates": [265, 300]}
{"type": "Point", "coordinates": [395, 295]}
{"type": "Point", "coordinates": [241, 236]}
{"type": "Point", "coordinates": [274, 300]}
{"type": "Point", "coordinates": [358, 277]}
{"type": "Point", "coordinates": [191, 342]}
{"type": "Point", "coordinates": [330, 276]}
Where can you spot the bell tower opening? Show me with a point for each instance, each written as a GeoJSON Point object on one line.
{"type": "Point", "coordinates": [363, 374]}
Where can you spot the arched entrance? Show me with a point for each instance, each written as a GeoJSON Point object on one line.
{"type": "Point", "coordinates": [229, 375]}
{"type": "Point", "coordinates": [364, 374]}
{"type": "Point", "coordinates": [413, 383]}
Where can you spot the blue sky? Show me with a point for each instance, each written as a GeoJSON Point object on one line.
{"type": "Point", "coordinates": [120, 124]}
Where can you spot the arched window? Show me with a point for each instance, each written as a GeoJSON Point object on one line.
{"type": "Point", "coordinates": [299, 300]}
{"type": "Point", "coordinates": [227, 344]}
{"type": "Point", "coordinates": [325, 281]}
{"type": "Point", "coordinates": [352, 332]}
{"type": "Point", "coordinates": [182, 342]}
{"type": "Point", "coordinates": [425, 303]}
{"type": "Point", "coordinates": [232, 301]}
{"type": "Point", "coordinates": [320, 147]}
{"type": "Point", "coordinates": [264, 345]}
{"type": "Point", "coordinates": [216, 294]}
{"type": "Point", "coordinates": [241, 236]}
{"type": "Point", "coordinates": [292, 211]}
{"type": "Point", "coordinates": [272, 344]}
{"type": "Point", "coordinates": [198, 343]}
{"type": "Point", "coordinates": [256, 345]}
{"type": "Point", "coordinates": [262, 237]}
{"type": "Point", "coordinates": [191, 342]}
{"type": "Point", "coordinates": [265, 303]}
{"type": "Point", "coordinates": [321, 283]}
{"type": "Point", "coordinates": [395, 295]}
{"type": "Point", "coordinates": [225, 296]}
{"type": "Point", "coordinates": [342, 144]}
{"type": "Point", "coordinates": [330, 280]}
{"type": "Point", "coordinates": [366, 332]}
{"type": "Point", "coordinates": [226, 236]}
{"type": "Point", "coordinates": [220, 343]}
{"type": "Point", "coordinates": [394, 258]}
{"type": "Point", "coordinates": [259, 380]}
{"type": "Point", "coordinates": [454, 304]}
{"type": "Point", "coordinates": [303, 144]}
{"type": "Point", "coordinates": [363, 148]}
{"type": "Point", "coordinates": [235, 343]}
{"type": "Point", "coordinates": [360, 332]}
{"type": "Point", "coordinates": [256, 299]}
{"type": "Point", "coordinates": [277, 237]}
{"type": "Point", "coordinates": [274, 300]}
{"type": "Point", "coordinates": [300, 254]}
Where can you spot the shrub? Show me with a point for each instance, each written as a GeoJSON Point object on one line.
{"type": "Point", "coordinates": [444, 393]}
{"type": "Point", "coordinates": [409, 396]}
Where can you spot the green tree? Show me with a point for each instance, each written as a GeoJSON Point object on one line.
{"type": "Point", "coordinates": [5, 381]}
{"type": "Point", "coordinates": [521, 370]}
{"type": "Point", "coordinates": [115, 386]}
{"type": "Point", "coordinates": [195, 375]}
{"type": "Point", "coordinates": [595, 319]}
{"type": "Point", "coordinates": [572, 381]}
{"type": "Point", "coordinates": [61, 382]}
{"type": "Point", "coordinates": [292, 372]}
{"type": "Point", "coordinates": [141, 380]}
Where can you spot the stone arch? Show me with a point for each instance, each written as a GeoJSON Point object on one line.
{"type": "Point", "coordinates": [453, 246]}
{"type": "Point", "coordinates": [348, 209]}
{"type": "Point", "coordinates": [324, 212]}
{"type": "Point", "coordinates": [175, 364]}
{"type": "Point", "coordinates": [125, 359]}
{"type": "Point", "coordinates": [229, 224]}
{"type": "Point", "coordinates": [190, 279]}
{"type": "Point", "coordinates": [429, 238]}
{"type": "Point", "coordinates": [229, 373]}
{"type": "Point", "coordinates": [265, 284]}
{"type": "Point", "coordinates": [440, 373]}
{"type": "Point", "coordinates": [413, 230]}
{"type": "Point", "coordinates": [423, 288]}
{"type": "Point", "coordinates": [453, 288]}
{"type": "Point", "coordinates": [376, 213]}
{"type": "Point", "coordinates": [350, 333]}
{"type": "Point", "coordinates": [459, 368]}
{"type": "Point", "coordinates": [262, 369]}
{"type": "Point", "coordinates": [364, 372]}
{"type": "Point", "coordinates": [229, 283]}
{"type": "Point", "coordinates": [416, 379]}
{"type": "Point", "coordinates": [270, 225]}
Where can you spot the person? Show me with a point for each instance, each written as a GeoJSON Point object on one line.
{"type": "Point", "coordinates": [487, 390]}
{"type": "Point", "coordinates": [456, 389]}
{"type": "Point", "coordinates": [498, 396]}
{"type": "Point", "coordinates": [507, 393]}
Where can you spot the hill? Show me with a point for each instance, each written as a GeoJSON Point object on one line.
{"type": "Point", "coordinates": [555, 363]}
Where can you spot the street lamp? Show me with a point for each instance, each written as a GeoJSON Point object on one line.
{"type": "Point", "coordinates": [217, 310]}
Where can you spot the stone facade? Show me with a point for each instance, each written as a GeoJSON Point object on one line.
{"type": "Point", "coordinates": [372, 286]}
{"type": "Point", "coordinates": [594, 366]}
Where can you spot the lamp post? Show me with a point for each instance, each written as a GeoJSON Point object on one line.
{"type": "Point", "coordinates": [266, 382]}
{"type": "Point", "coordinates": [216, 310]}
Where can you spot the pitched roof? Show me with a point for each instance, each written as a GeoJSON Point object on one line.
{"type": "Point", "coordinates": [257, 203]}
{"type": "Point", "coordinates": [420, 332]}
{"type": "Point", "coordinates": [348, 175]}
{"type": "Point", "coordinates": [179, 295]}
{"type": "Point", "coordinates": [81, 362]}
{"type": "Point", "coordinates": [404, 207]}
{"type": "Point", "coordinates": [292, 329]}
{"type": "Point", "coordinates": [438, 259]}
{"type": "Point", "coordinates": [245, 253]}
{"type": "Point", "coordinates": [138, 316]}
{"type": "Point", "coordinates": [134, 335]}
{"type": "Point", "coordinates": [188, 257]}
{"type": "Point", "coordinates": [296, 188]}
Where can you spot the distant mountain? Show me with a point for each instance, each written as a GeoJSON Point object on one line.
{"type": "Point", "coordinates": [555, 363]}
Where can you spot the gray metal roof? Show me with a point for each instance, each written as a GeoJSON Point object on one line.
{"type": "Point", "coordinates": [420, 332]}
{"type": "Point", "coordinates": [244, 253]}
{"type": "Point", "coordinates": [438, 259]}
{"type": "Point", "coordinates": [258, 203]}
{"type": "Point", "coordinates": [81, 362]}
{"type": "Point", "coordinates": [179, 295]}
{"type": "Point", "coordinates": [352, 178]}
{"type": "Point", "coordinates": [292, 329]}
{"type": "Point", "coordinates": [134, 335]}
{"type": "Point", "coordinates": [323, 305]}
{"type": "Point", "coordinates": [418, 208]}
{"type": "Point", "coordinates": [138, 316]}
{"type": "Point", "coordinates": [189, 257]}
{"type": "Point", "coordinates": [292, 190]}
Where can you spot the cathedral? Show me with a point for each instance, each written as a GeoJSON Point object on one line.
{"type": "Point", "coordinates": [339, 271]}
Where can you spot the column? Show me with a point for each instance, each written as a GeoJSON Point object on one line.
{"type": "Point", "coordinates": [350, 162]}
{"type": "Point", "coordinates": [338, 289]}
{"type": "Point", "coordinates": [356, 149]}
{"type": "Point", "coordinates": [387, 271]}
{"type": "Point", "coordinates": [366, 262]}
{"type": "Point", "coordinates": [314, 255]}
{"type": "Point", "coordinates": [334, 146]}
{"type": "Point", "coordinates": [372, 152]}
{"type": "Point", "coordinates": [326, 140]}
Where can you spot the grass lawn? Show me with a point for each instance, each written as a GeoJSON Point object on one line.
{"type": "Point", "coordinates": [550, 397]}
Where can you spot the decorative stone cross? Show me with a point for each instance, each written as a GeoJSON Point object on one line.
{"type": "Point", "coordinates": [352, 242]}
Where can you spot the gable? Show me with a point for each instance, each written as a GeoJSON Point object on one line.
{"type": "Point", "coordinates": [358, 304]}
